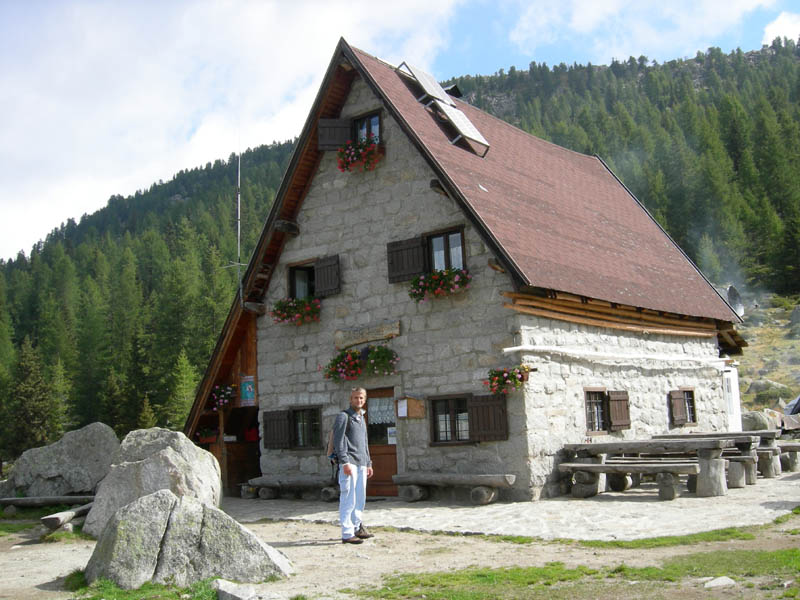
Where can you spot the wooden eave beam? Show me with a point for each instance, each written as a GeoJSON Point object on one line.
{"type": "Point", "coordinates": [595, 322]}
{"type": "Point", "coordinates": [602, 311]}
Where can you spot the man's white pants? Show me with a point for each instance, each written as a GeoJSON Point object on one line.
{"type": "Point", "coordinates": [352, 496]}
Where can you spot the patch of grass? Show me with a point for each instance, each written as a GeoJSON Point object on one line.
{"type": "Point", "coordinates": [733, 563]}
{"type": "Point", "coordinates": [103, 589]}
{"type": "Point", "coordinates": [7, 528]}
{"type": "Point", "coordinates": [717, 535]}
{"type": "Point", "coordinates": [477, 584]}
{"type": "Point", "coordinates": [75, 581]}
{"type": "Point", "coordinates": [513, 539]}
{"type": "Point", "coordinates": [66, 536]}
{"type": "Point", "coordinates": [787, 516]}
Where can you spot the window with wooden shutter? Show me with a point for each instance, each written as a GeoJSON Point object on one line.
{"type": "Point", "coordinates": [619, 411]}
{"type": "Point", "coordinates": [277, 428]}
{"type": "Point", "coordinates": [333, 133]}
{"type": "Point", "coordinates": [326, 276]}
{"type": "Point", "coordinates": [488, 420]}
{"type": "Point", "coordinates": [406, 259]}
{"type": "Point", "coordinates": [677, 406]}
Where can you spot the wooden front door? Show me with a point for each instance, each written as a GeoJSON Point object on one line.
{"type": "Point", "coordinates": [382, 441]}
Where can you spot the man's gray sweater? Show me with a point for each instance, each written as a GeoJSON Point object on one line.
{"type": "Point", "coordinates": [350, 439]}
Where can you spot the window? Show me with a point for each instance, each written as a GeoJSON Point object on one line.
{"type": "Point", "coordinates": [440, 250]}
{"type": "Point", "coordinates": [468, 418]}
{"type": "Point", "coordinates": [447, 250]}
{"type": "Point", "coordinates": [334, 133]}
{"type": "Point", "coordinates": [296, 428]}
{"type": "Point", "coordinates": [607, 411]}
{"type": "Point", "coordinates": [301, 282]}
{"type": "Point", "coordinates": [682, 406]}
{"type": "Point", "coordinates": [318, 279]}
{"type": "Point", "coordinates": [364, 126]}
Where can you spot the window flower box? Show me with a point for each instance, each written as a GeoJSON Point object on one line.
{"type": "Point", "coordinates": [206, 436]}
{"type": "Point", "coordinates": [361, 155]}
{"type": "Point", "coordinates": [350, 364]}
{"type": "Point", "coordinates": [296, 311]}
{"type": "Point", "coordinates": [438, 284]}
{"type": "Point", "coordinates": [500, 381]}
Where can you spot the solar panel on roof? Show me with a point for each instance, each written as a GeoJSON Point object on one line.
{"type": "Point", "coordinates": [462, 123]}
{"type": "Point", "coordinates": [429, 84]}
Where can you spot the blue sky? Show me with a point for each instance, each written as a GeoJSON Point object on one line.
{"type": "Point", "coordinates": [106, 97]}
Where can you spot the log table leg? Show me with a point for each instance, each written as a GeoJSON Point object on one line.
{"type": "Point", "coordinates": [667, 486]}
{"type": "Point", "coordinates": [588, 484]}
{"type": "Point", "coordinates": [789, 462]}
{"type": "Point", "coordinates": [619, 482]}
{"type": "Point", "coordinates": [766, 466]}
{"type": "Point", "coordinates": [736, 475]}
{"type": "Point", "coordinates": [751, 469]}
{"type": "Point", "coordinates": [711, 479]}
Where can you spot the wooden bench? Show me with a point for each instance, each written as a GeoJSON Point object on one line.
{"type": "Point", "coordinates": [740, 469]}
{"type": "Point", "coordinates": [414, 486]}
{"type": "Point", "coordinates": [268, 487]}
{"type": "Point", "coordinates": [666, 473]}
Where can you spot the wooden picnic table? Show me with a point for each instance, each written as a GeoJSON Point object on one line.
{"type": "Point", "coordinates": [711, 476]}
{"type": "Point", "coordinates": [769, 463]}
{"type": "Point", "coordinates": [743, 465]}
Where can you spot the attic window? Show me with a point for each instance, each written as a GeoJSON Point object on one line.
{"type": "Point", "coordinates": [434, 251]}
{"type": "Point", "coordinates": [364, 126]}
{"type": "Point", "coordinates": [332, 134]}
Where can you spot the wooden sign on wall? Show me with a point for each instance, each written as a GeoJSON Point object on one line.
{"type": "Point", "coordinates": [344, 338]}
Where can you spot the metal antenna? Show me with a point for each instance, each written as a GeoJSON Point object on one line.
{"type": "Point", "coordinates": [239, 227]}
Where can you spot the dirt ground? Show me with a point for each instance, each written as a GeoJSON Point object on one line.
{"type": "Point", "coordinates": [31, 569]}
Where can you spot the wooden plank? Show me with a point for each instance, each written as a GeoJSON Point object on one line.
{"type": "Point", "coordinates": [291, 481]}
{"type": "Point", "coordinates": [599, 312]}
{"type": "Point", "coordinates": [56, 520]}
{"type": "Point", "coordinates": [608, 324]}
{"type": "Point", "coordinates": [455, 479]}
{"type": "Point", "coordinates": [648, 446]}
{"type": "Point", "coordinates": [684, 468]}
{"type": "Point", "coordinates": [46, 500]}
{"type": "Point", "coordinates": [789, 446]}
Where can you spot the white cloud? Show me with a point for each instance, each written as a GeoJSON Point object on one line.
{"type": "Point", "coordinates": [103, 98]}
{"type": "Point", "coordinates": [622, 28]}
{"type": "Point", "coordinates": [787, 25]}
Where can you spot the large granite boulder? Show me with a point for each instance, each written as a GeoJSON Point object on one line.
{"type": "Point", "coordinates": [755, 420]}
{"type": "Point", "coordinates": [166, 539]}
{"type": "Point", "coordinates": [75, 464]}
{"type": "Point", "coordinates": [149, 460]}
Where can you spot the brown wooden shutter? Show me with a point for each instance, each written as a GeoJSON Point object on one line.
{"type": "Point", "coordinates": [326, 276]}
{"type": "Point", "coordinates": [277, 428]}
{"type": "Point", "coordinates": [488, 420]}
{"type": "Point", "coordinates": [619, 413]}
{"type": "Point", "coordinates": [678, 408]}
{"type": "Point", "coordinates": [333, 133]}
{"type": "Point", "coordinates": [406, 259]}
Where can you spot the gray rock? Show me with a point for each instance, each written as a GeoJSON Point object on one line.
{"type": "Point", "coordinates": [228, 590]}
{"type": "Point", "coordinates": [166, 539]}
{"type": "Point", "coordinates": [762, 385]}
{"type": "Point", "coordinates": [10, 511]}
{"type": "Point", "coordinates": [794, 319]}
{"type": "Point", "coordinates": [150, 460]}
{"type": "Point", "coordinates": [755, 421]}
{"type": "Point", "coordinates": [74, 464]}
{"type": "Point", "coordinates": [719, 582]}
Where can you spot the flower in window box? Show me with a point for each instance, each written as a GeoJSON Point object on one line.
{"type": "Point", "coordinates": [296, 311]}
{"type": "Point", "coordinates": [221, 396]}
{"type": "Point", "coordinates": [362, 155]}
{"type": "Point", "coordinates": [345, 366]}
{"type": "Point", "coordinates": [439, 283]}
{"type": "Point", "coordinates": [500, 381]}
{"type": "Point", "coordinates": [206, 436]}
{"type": "Point", "coordinates": [380, 360]}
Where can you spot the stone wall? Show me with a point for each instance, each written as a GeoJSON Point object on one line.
{"type": "Point", "coordinates": [569, 357]}
{"type": "Point", "coordinates": [445, 346]}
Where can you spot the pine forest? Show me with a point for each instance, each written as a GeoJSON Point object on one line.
{"type": "Point", "coordinates": [113, 317]}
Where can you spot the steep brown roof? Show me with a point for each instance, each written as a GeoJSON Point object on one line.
{"type": "Point", "coordinates": [562, 219]}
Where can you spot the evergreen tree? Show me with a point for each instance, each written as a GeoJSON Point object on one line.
{"type": "Point", "coordinates": [147, 418]}
{"type": "Point", "coordinates": [183, 381]}
{"type": "Point", "coordinates": [38, 412]}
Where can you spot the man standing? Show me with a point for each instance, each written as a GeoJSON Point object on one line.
{"type": "Point", "coordinates": [350, 441]}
